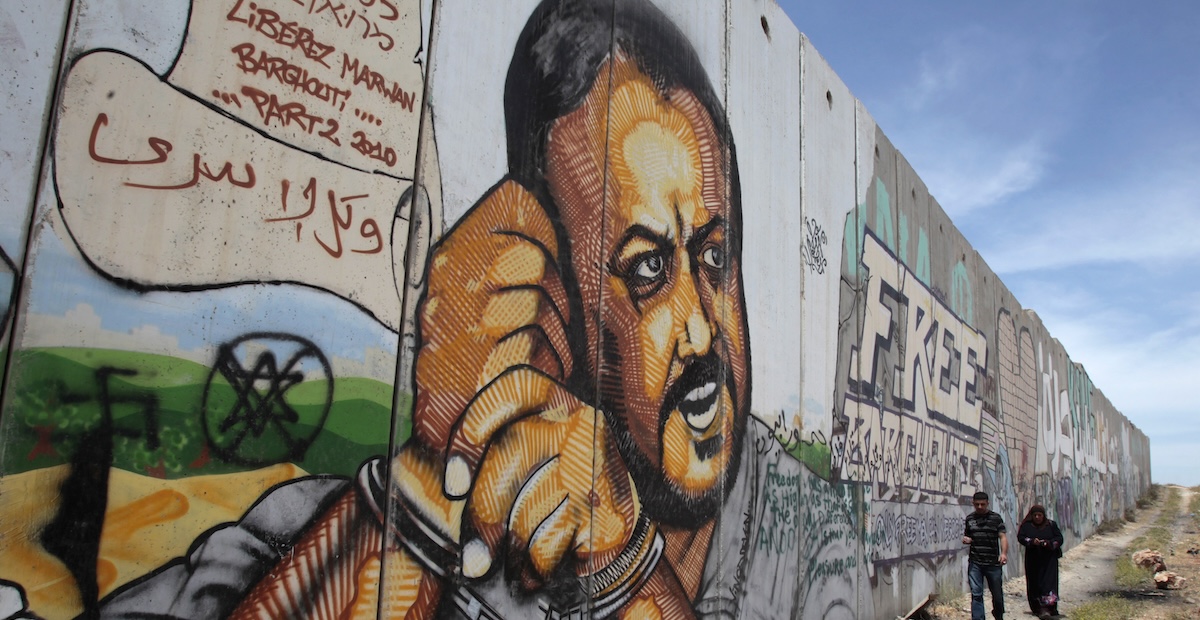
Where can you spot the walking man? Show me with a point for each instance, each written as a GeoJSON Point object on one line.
{"type": "Point", "coordinates": [984, 531]}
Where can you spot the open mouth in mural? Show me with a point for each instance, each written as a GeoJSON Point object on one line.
{"type": "Point", "coordinates": [697, 398]}
{"type": "Point", "coordinates": [699, 407]}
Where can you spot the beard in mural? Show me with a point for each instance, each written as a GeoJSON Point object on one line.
{"type": "Point", "coordinates": [581, 415]}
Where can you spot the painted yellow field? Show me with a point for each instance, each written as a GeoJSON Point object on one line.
{"type": "Point", "coordinates": [148, 522]}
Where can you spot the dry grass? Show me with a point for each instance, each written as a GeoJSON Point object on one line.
{"type": "Point", "coordinates": [1108, 608]}
{"type": "Point", "coordinates": [1150, 497]}
{"type": "Point", "coordinates": [1159, 537]}
{"type": "Point", "coordinates": [1128, 575]}
{"type": "Point", "coordinates": [1174, 532]}
{"type": "Point", "coordinates": [1110, 526]}
{"type": "Point", "coordinates": [1170, 507]}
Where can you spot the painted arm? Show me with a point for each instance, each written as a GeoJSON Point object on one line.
{"type": "Point", "coordinates": [297, 544]}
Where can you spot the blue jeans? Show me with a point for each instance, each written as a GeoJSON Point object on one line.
{"type": "Point", "coordinates": [995, 582]}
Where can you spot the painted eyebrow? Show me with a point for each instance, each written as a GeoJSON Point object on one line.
{"type": "Point", "coordinates": [642, 231]}
{"type": "Point", "coordinates": [660, 241]}
{"type": "Point", "coordinates": [703, 233]}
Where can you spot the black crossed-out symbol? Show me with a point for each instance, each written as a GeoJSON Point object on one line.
{"type": "Point", "coordinates": [262, 426]}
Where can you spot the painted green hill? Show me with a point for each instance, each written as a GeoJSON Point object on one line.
{"type": "Point", "coordinates": [58, 398]}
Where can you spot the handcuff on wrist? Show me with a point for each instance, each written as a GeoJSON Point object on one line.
{"type": "Point", "coordinates": [614, 585]}
{"type": "Point", "coordinates": [611, 587]}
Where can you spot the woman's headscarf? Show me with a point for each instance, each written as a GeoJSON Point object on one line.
{"type": "Point", "coordinates": [1034, 509]}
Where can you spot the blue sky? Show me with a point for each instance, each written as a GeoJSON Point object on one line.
{"type": "Point", "coordinates": [1063, 139]}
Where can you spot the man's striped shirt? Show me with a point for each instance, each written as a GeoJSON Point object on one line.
{"type": "Point", "coordinates": [984, 530]}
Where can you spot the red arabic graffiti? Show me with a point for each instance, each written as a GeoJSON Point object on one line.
{"type": "Point", "coordinates": [367, 230]}
{"type": "Point", "coordinates": [162, 149]}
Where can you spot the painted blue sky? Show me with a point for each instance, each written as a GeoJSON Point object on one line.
{"type": "Point", "coordinates": [206, 318]}
{"type": "Point", "coordinates": [1063, 139]}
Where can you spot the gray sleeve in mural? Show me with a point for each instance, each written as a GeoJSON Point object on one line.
{"type": "Point", "coordinates": [222, 566]}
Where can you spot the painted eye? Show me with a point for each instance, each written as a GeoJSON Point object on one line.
{"type": "Point", "coordinates": [714, 257]}
{"type": "Point", "coordinates": [649, 268]}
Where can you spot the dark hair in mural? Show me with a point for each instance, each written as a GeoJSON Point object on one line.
{"type": "Point", "coordinates": [558, 57]}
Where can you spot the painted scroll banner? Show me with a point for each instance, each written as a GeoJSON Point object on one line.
{"type": "Point", "coordinates": [159, 191]}
{"type": "Point", "coordinates": [336, 79]}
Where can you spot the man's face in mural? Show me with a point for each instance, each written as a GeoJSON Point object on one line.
{"type": "Point", "coordinates": [652, 252]}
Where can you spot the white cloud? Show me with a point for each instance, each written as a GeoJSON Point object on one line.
{"type": "Point", "coordinates": [82, 327]}
{"type": "Point", "coordinates": [1152, 219]}
{"type": "Point", "coordinates": [974, 176]}
{"type": "Point", "coordinates": [939, 72]}
{"type": "Point", "coordinates": [82, 318]}
{"type": "Point", "coordinates": [1139, 361]}
{"type": "Point", "coordinates": [956, 121]}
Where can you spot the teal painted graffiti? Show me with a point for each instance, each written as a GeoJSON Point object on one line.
{"type": "Point", "coordinates": [921, 266]}
{"type": "Point", "coordinates": [883, 216]}
{"type": "Point", "coordinates": [883, 229]}
{"type": "Point", "coordinates": [962, 294]}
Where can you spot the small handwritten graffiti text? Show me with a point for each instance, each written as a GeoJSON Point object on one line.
{"type": "Point", "coordinates": [829, 530]}
{"type": "Point", "coordinates": [270, 109]}
{"type": "Point", "coordinates": [899, 531]}
{"type": "Point", "coordinates": [288, 74]}
{"type": "Point", "coordinates": [358, 15]}
{"type": "Point", "coordinates": [374, 150]}
{"type": "Point", "coordinates": [288, 34]}
{"type": "Point", "coordinates": [777, 531]}
{"type": "Point", "coordinates": [815, 241]}
{"type": "Point", "coordinates": [362, 74]}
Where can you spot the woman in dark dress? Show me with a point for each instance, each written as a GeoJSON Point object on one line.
{"type": "Point", "coordinates": [1043, 546]}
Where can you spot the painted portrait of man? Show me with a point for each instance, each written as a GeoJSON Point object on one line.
{"type": "Point", "coordinates": [582, 438]}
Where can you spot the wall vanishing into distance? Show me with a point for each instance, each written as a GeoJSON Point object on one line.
{"type": "Point", "coordinates": [365, 308]}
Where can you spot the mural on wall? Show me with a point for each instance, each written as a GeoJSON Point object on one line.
{"type": "Point", "coordinates": [581, 415]}
{"type": "Point", "coordinates": [251, 376]}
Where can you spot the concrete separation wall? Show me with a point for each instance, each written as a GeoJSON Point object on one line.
{"type": "Point", "coordinates": [399, 308]}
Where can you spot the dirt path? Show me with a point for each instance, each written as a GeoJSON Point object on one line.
{"type": "Point", "coordinates": [1086, 571]}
